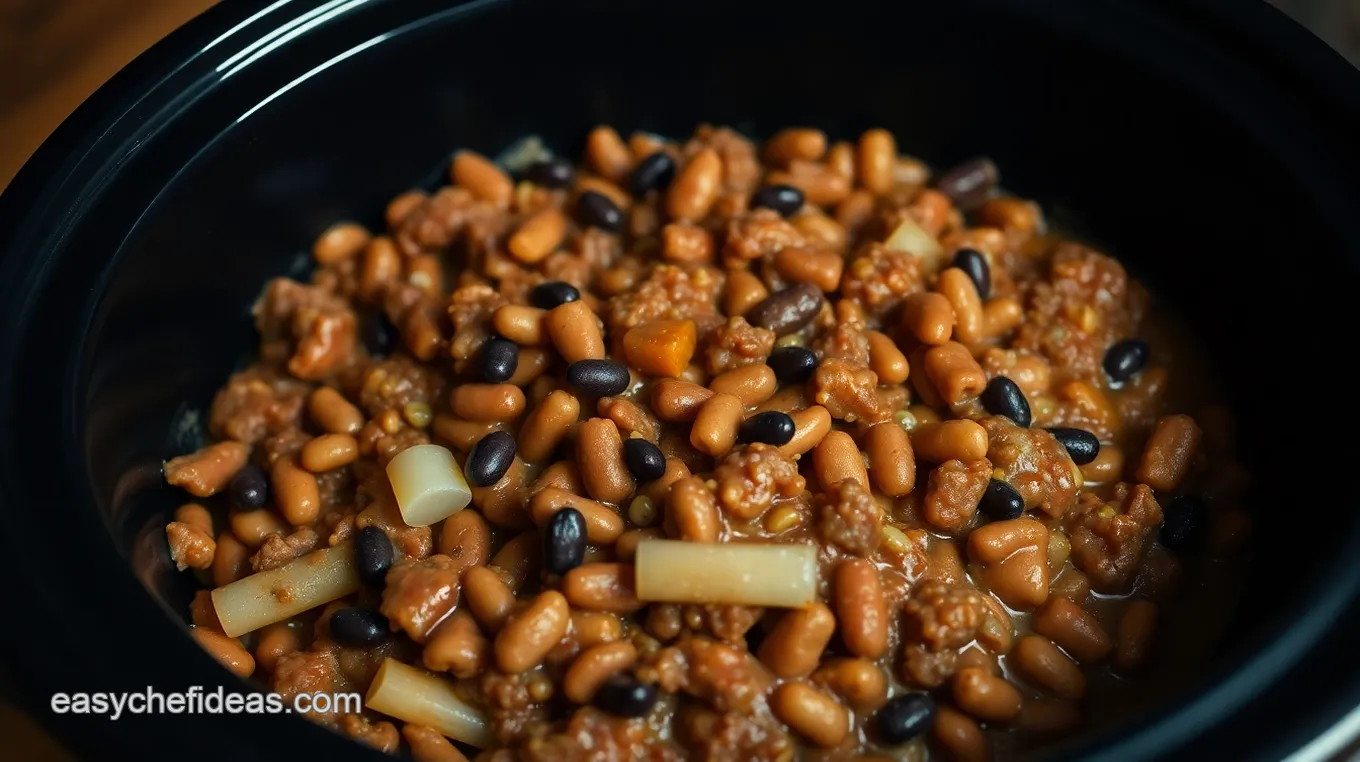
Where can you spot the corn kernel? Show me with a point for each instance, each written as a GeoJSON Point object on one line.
{"type": "Point", "coordinates": [905, 419]}
{"type": "Point", "coordinates": [782, 519]}
{"type": "Point", "coordinates": [389, 421]}
{"type": "Point", "coordinates": [540, 687]}
{"type": "Point", "coordinates": [895, 540]}
{"type": "Point", "coordinates": [791, 340]}
{"type": "Point", "coordinates": [642, 511]}
{"type": "Point", "coordinates": [417, 414]}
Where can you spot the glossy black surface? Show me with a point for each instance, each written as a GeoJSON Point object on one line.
{"type": "Point", "coordinates": [1197, 139]}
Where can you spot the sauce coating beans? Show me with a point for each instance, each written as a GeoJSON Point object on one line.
{"type": "Point", "coordinates": [738, 451]}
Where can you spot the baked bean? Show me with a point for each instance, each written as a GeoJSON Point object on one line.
{"type": "Point", "coordinates": [548, 425]}
{"type": "Point", "coordinates": [1107, 467]}
{"type": "Point", "coordinates": [533, 363]}
{"type": "Point", "coordinates": [602, 587]}
{"type": "Point", "coordinates": [603, 525]}
{"type": "Point", "coordinates": [231, 560]}
{"type": "Point", "coordinates": [529, 635]}
{"type": "Point", "coordinates": [329, 452]}
{"type": "Point", "coordinates": [859, 682]}
{"type": "Point", "coordinates": [594, 666]}
{"type": "Point", "coordinates": [625, 549]}
{"type": "Point", "coordinates": [789, 310]}
{"type": "Point", "coordinates": [855, 210]}
{"type": "Point", "coordinates": [955, 285]}
{"type": "Point", "coordinates": [977, 658]}
{"type": "Point", "coordinates": [695, 187]}
{"type": "Point", "coordinates": [837, 458]}
{"type": "Point", "coordinates": [486, 180]}
{"type": "Point", "coordinates": [861, 608]}
{"type": "Point", "coordinates": [429, 745]}
{"type": "Point", "coordinates": [518, 558]}
{"type": "Point", "coordinates": [743, 291]}
{"type": "Point", "coordinates": [1134, 637]}
{"type": "Point", "coordinates": [810, 427]}
{"type": "Point", "coordinates": [1072, 627]}
{"type": "Point", "coordinates": [599, 454]}
{"type": "Point", "coordinates": [1015, 558]}
{"type": "Point", "coordinates": [333, 413]}
{"type": "Point", "coordinates": [563, 475]}
{"type": "Point", "coordinates": [208, 471]}
{"type": "Point", "coordinates": [591, 628]}
{"type": "Point", "coordinates": [943, 562]}
{"type": "Point", "coordinates": [997, 633]}
{"type": "Point", "coordinates": [686, 243]}
{"type": "Point", "coordinates": [960, 736]}
{"type": "Point", "coordinates": [795, 143]}
{"type": "Point", "coordinates": [631, 418]}
{"type": "Point", "coordinates": [885, 359]}
{"type": "Point", "coordinates": [502, 502]}
{"type": "Point", "coordinates": [875, 160]}
{"type": "Point", "coordinates": [715, 426]}
{"type": "Point", "coordinates": [811, 713]}
{"type": "Point", "coordinates": [953, 372]}
{"type": "Point", "coordinates": [1047, 717]}
{"type": "Point", "coordinates": [607, 154]}
{"type": "Point", "coordinates": [941, 441]}
{"type": "Point", "coordinates": [487, 402]}
{"type": "Point", "coordinates": [466, 538]}
{"type": "Point", "coordinates": [295, 492]}
{"type": "Point", "coordinates": [841, 160]}
{"type": "Point", "coordinates": [381, 265]}
{"type": "Point", "coordinates": [1000, 316]}
{"type": "Point", "coordinates": [339, 242]}
{"type": "Point", "coordinates": [752, 384]}
{"type": "Point", "coordinates": [275, 642]}
{"type": "Point", "coordinates": [821, 186]}
{"type": "Point", "coordinates": [227, 651]}
{"type": "Point", "coordinates": [1013, 215]}
{"type": "Point", "coordinates": [675, 471]}
{"type": "Point", "coordinates": [692, 511]}
{"type": "Point", "coordinates": [463, 434]}
{"type": "Point", "coordinates": [985, 696]}
{"type": "Point", "coordinates": [457, 646]}
{"type": "Point", "coordinates": [1169, 453]}
{"type": "Point", "coordinates": [520, 324]}
{"type": "Point", "coordinates": [818, 267]}
{"type": "Point", "coordinates": [822, 229]}
{"type": "Point", "coordinates": [538, 236]}
{"type": "Point", "coordinates": [426, 273]}
{"type": "Point", "coordinates": [399, 208]}
{"type": "Point", "coordinates": [616, 195]}
{"type": "Point", "coordinates": [252, 528]}
{"type": "Point", "coordinates": [1045, 665]}
{"type": "Point", "coordinates": [678, 401]}
{"type": "Point", "coordinates": [794, 645]}
{"type": "Point", "coordinates": [1072, 583]}
{"type": "Point", "coordinates": [1092, 403]}
{"type": "Point", "coordinates": [195, 516]}
{"type": "Point", "coordinates": [487, 597]}
{"type": "Point", "coordinates": [575, 332]}
{"type": "Point", "coordinates": [892, 464]}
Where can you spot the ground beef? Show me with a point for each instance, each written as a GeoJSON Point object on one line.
{"type": "Point", "coordinates": [849, 392]}
{"type": "Point", "coordinates": [470, 309]}
{"type": "Point", "coordinates": [566, 267]}
{"type": "Point", "coordinates": [726, 678]}
{"type": "Point", "coordinates": [513, 711]}
{"type": "Point", "coordinates": [381, 735]}
{"type": "Point", "coordinates": [595, 735]}
{"type": "Point", "coordinates": [732, 737]}
{"type": "Point", "coordinates": [878, 278]}
{"type": "Point", "coordinates": [1108, 538]}
{"type": "Point", "coordinates": [278, 550]}
{"type": "Point", "coordinates": [597, 248]}
{"type": "Point", "coordinates": [730, 623]}
{"type": "Point", "coordinates": [758, 234]}
{"type": "Point", "coordinates": [379, 509]}
{"type": "Point", "coordinates": [256, 403]}
{"type": "Point", "coordinates": [309, 672]}
{"type": "Point", "coordinates": [953, 492]}
{"type": "Point", "coordinates": [419, 594]}
{"type": "Point", "coordinates": [846, 341]}
{"type": "Point", "coordinates": [435, 222]}
{"type": "Point", "coordinates": [943, 616]}
{"type": "Point", "coordinates": [310, 328]}
{"type": "Point", "coordinates": [669, 293]}
{"type": "Point", "coordinates": [284, 445]}
{"type": "Point", "coordinates": [190, 547]}
{"type": "Point", "coordinates": [397, 381]}
{"type": "Point", "coordinates": [850, 518]}
{"type": "Point", "coordinates": [741, 164]}
{"type": "Point", "coordinates": [752, 477]}
{"type": "Point", "coordinates": [736, 343]}
{"type": "Point", "coordinates": [1034, 463]}
{"type": "Point", "coordinates": [928, 668]}
{"type": "Point", "coordinates": [1087, 304]}
{"type": "Point", "coordinates": [1029, 371]}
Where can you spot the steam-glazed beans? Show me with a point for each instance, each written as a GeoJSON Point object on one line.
{"type": "Point", "coordinates": [793, 450]}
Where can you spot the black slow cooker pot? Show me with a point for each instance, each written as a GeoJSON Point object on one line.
{"type": "Point", "coordinates": [1212, 144]}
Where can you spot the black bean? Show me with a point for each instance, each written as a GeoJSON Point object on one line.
{"type": "Point", "coordinates": [792, 365]}
{"type": "Point", "coordinates": [1125, 358]}
{"type": "Point", "coordinates": [770, 427]}
{"type": "Point", "coordinates": [784, 199]}
{"type": "Point", "coordinates": [249, 489]}
{"type": "Point", "coordinates": [372, 554]}
{"type": "Point", "coordinates": [564, 542]}
{"type": "Point", "coordinates": [970, 183]}
{"type": "Point", "coordinates": [645, 460]}
{"type": "Point", "coordinates": [1182, 523]}
{"type": "Point", "coordinates": [788, 310]}
{"type": "Point", "coordinates": [489, 459]}
{"type": "Point", "coordinates": [1001, 501]}
{"type": "Point", "coordinates": [358, 627]}
{"type": "Point", "coordinates": [602, 378]}
{"type": "Point", "coordinates": [380, 336]}
{"type": "Point", "coordinates": [655, 171]}
{"type": "Point", "coordinates": [972, 262]}
{"type": "Point", "coordinates": [500, 358]}
{"type": "Point", "coordinates": [554, 293]}
{"type": "Point", "coordinates": [551, 173]}
{"type": "Point", "coordinates": [595, 209]}
{"type": "Point", "coordinates": [1003, 397]}
{"type": "Point", "coordinates": [1082, 445]}
{"type": "Point", "coordinates": [624, 696]}
{"type": "Point", "coordinates": [904, 718]}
